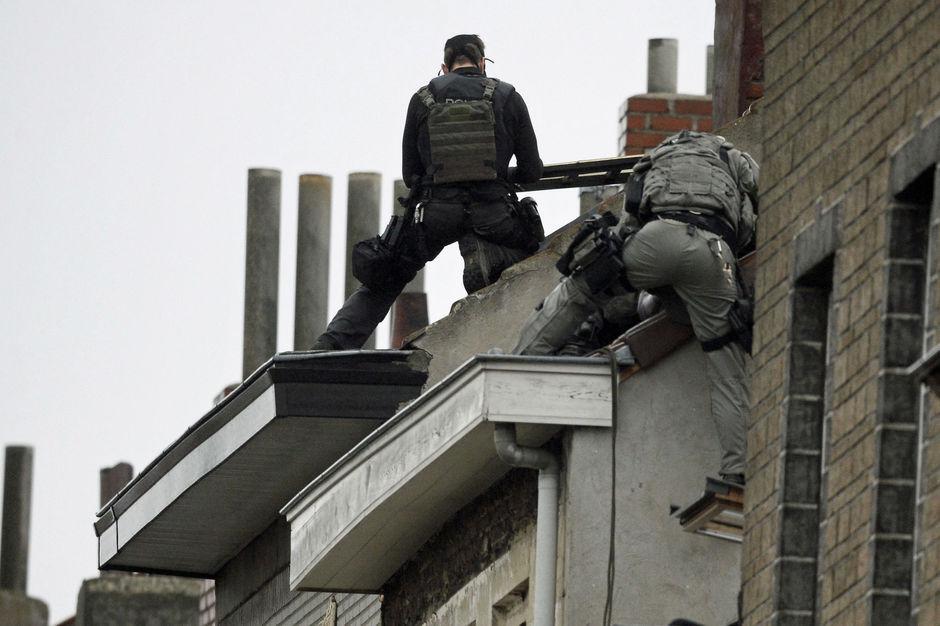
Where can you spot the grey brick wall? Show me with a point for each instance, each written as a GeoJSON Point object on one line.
{"type": "Point", "coordinates": [846, 84]}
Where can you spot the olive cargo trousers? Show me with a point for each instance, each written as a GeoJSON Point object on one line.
{"type": "Point", "coordinates": [700, 268]}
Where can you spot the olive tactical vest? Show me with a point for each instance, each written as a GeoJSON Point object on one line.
{"type": "Point", "coordinates": [689, 171]}
{"type": "Point", "coordinates": [463, 136]}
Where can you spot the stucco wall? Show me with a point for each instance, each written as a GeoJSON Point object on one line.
{"type": "Point", "coordinates": [666, 446]}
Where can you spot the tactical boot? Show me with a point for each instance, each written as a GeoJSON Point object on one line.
{"type": "Point", "coordinates": [737, 479]}
{"type": "Point", "coordinates": [585, 340]}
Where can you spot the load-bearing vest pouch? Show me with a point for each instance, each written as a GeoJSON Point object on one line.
{"type": "Point", "coordinates": [463, 137]}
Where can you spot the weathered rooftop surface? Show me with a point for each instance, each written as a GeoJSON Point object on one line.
{"type": "Point", "coordinates": [222, 483]}
{"type": "Point", "coordinates": [357, 523]}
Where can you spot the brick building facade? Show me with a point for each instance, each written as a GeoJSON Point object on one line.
{"type": "Point", "coordinates": [843, 501]}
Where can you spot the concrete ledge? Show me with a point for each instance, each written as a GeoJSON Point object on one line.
{"type": "Point", "coordinates": [129, 599]}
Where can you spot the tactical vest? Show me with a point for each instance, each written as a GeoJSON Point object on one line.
{"type": "Point", "coordinates": [463, 136]}
{"type": "Point", "coordinates": [688, 171]}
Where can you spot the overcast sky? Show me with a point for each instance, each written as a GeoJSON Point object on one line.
{"type": "Point", "coordinates": [126, 130]}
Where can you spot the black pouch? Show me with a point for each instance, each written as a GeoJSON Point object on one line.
{"type": "Point", "coordinates": [633, 195]}
{"type": "Point", "coordinates": [590, 226]}
{"type": "Point", "coordinates": [388, 261]}
{"type": "Point", "coordinates": [528, 212]}
{"type": "Point", "coordinates": [741, 315]}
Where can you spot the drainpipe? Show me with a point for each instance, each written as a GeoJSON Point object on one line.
{"type": "Point", "coordinates": [546, 525]}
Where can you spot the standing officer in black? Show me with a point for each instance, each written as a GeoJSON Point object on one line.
{"type": "Point", "coordinates": [463, 173]}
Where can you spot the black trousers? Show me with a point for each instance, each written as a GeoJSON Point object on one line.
{"type": "Point", "coordinates": [450, 215]}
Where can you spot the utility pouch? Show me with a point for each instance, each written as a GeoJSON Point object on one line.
{"type": "Point", "coordinates": [741, 318]}
{"type": "Point", "coordinates": [390, 260]}
{"type": "Point", "coordinates": [595, 258]}
{"type": "Point", "coordinates": [528, 213]}
{"type": "Point", "coordinates": [633, 196]}
{"type": "Point", "coordinates": [590, 226]}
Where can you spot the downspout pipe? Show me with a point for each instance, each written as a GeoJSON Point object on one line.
{"type": "Point", "coordinates": [546, 525]}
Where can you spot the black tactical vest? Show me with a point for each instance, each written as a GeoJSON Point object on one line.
{"type": "Point", "coordinates": [462, 129]}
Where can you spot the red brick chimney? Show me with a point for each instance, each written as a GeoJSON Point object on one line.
{"type": "Point", "coordinates": [647, 119]}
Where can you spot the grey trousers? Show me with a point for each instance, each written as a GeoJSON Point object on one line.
{"type": "Point", "coordinates": [699, 267]}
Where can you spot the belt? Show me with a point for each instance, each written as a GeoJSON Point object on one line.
{"type": "Point", "coordinates": [711, 223]}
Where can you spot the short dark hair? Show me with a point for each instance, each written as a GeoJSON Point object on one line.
{"type": "Point", "coordinates": [466, 47]}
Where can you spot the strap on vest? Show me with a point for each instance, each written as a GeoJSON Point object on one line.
{"type": "Point", "coordinates": [426, 96]}
{"type": "Point", "coordinates": [489, 86]}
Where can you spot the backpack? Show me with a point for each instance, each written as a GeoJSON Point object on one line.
{"type": "Point", "coordinates": [688, 171]}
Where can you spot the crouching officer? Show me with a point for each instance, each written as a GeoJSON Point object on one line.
{"type": "Point", "coordinates": [461, 131]}
{"type": "Point", "coordinates": [690, 207]}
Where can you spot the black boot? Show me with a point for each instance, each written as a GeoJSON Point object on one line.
{"type": "Point", "coordinates": [737, 479]}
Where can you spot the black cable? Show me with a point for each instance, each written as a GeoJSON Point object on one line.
{"type": "Point", "coordinates": [615, 388]}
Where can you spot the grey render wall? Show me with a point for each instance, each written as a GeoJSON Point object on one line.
{"type": "Point", "coordinates": [666, 445]}
{"type": "Point", "coordinates": [254, 588]}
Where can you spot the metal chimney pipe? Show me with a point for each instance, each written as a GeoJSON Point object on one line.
{"type": "Point", "coordinates": [410, 311]}
{"type": "Point", "coordinates": [112, 480]}
{"type": "Point", "coordinates": [662, 65]}
{"type": "Point", "coordinates": [709, 69]}
{"type": "Point", "coordinates": [261, 267]}
{"type": "Point", "coordinates": [14, 535]}
{"type": "Point", "coordinates": [314, 201]}
{"type": "Point", "coordinates": [362, 222]}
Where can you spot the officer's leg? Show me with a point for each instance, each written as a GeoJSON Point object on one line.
{"type": "Point", "coordinates": [496, 240]}
{"type": "Point", "coordinates": [708, 290]}
{"type": "Point", "coordinates": [484, 261]}
{"type": "Point", "coordinates": [357, 318]}
{"type": "Point", "coordinates": [556, 319]}
{"type": "Point", "coordinates": [667, 252]}
{"type": "Point", "coordinates": [366, 308]}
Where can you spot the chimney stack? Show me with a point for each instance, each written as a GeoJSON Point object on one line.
{"type": "Point", "coordinates": [261, 267]}
{"type": "Point", "coordinates": [410, 311]}
{"type": "Point", "coordinates": [662, 66]}
{"type": "Point", "coordinates": [647, 119]}
{"type": "Point", "coordinates": [17, 500]}
{"type": "Point", "coordinates": [709, 69]}
{"type": "Point", "coordinates": [112, 480]}
{"type": "Point", "coordinates": [362, 222]}
{"type": "Point", "coordinates": [314, 199]}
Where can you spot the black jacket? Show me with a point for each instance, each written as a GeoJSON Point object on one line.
{"type": "Point", "coordinates": [514, 134]}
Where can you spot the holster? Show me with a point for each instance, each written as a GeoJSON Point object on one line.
{"type": "Point", "coordinates": [594, 255]}
{"type": "Point", "coordinates": [387, 262]}
{"type": "Point", "coordinates": [527, 210]}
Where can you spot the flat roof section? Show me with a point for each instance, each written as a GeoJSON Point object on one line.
{"type": "Point", "coordinates": [222, 483]}
{"type": "Point", "coordinates": [355, 525]}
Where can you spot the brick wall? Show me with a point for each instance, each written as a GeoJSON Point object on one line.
{"type": "Point", "coordinates": [474, 538]}
{"type": "Point", "coordinates": [846, 83]}
{"type": "Point", "coordinates": [645, 120]}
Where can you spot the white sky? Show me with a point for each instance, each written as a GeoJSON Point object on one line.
{"type": "Point", "coordinates": [126, 129]}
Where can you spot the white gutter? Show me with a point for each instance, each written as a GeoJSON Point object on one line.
{"type": "Point", "coordinates": [546, 525]}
